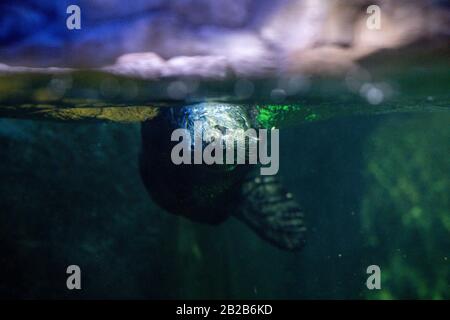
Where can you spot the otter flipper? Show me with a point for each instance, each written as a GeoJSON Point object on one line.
{"type": "Point", "coordinates": [272, 212]}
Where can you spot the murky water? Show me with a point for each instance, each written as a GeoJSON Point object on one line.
{"type": "Point", "coordinates": [369, 167]}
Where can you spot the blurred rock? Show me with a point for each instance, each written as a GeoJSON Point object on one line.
{"type": "Point", "coordinates": [251, 38]}
{"type": "Point", "coordinates": [98, 10]}
{"type": "Point", "coordinates": [150, 65]}
{"type": "Point", "coordinates": [145, 65]}
{"type": "Point", "coordinates": [197, 66]}
{"type": "Point", "coordinates": [231, 13]}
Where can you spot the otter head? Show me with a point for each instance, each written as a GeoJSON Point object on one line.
{"type": "Point", "coordinates": [215, 128]}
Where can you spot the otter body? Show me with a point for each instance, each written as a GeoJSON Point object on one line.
{"type": "Point", "coordinates": [212, 193]}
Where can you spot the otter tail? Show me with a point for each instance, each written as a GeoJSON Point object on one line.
{"type": "Point", "coordinates": [272, 213]}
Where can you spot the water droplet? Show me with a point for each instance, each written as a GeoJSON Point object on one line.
{"type": "Point", "coordinates": [177, 90]}
{"type": "Point", "coordinates": [278, 95]}
{"type": "Point", "coordinates": [375, 96]}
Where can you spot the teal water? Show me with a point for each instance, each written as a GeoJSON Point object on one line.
{"type": "Point", "coordinates": [373, 180]}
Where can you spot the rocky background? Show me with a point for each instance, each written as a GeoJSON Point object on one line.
{"type": "Point", "coordinates": [208, 38]}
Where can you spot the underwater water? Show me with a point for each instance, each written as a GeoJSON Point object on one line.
{"type": "Point", "coordinates": [371, 176]}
